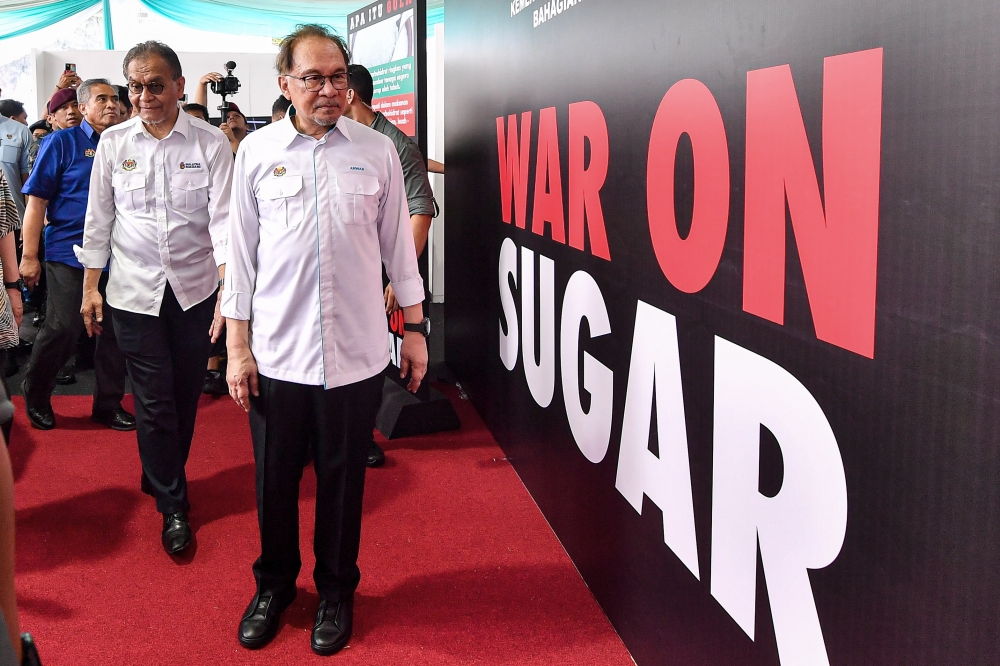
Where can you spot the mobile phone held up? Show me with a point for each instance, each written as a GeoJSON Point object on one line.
{"type": "Point", "coordinates": [71, 67]}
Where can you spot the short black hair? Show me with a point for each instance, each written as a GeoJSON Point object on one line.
{"type": "Point", "coordinates": [123, 97]}
{"type": "Point", "coordinates": [359, 79]}
{"type": "Point", "coordinates": [153, 48]}
{"type": "Point", "coordinates": [280, 105]}
{"type": "Point", "coordinates": [11, 108]}
{"type": "Point", "coordinates": [201, 109]}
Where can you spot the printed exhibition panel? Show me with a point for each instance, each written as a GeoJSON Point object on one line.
{"type": "Point", "coordinates": [723, 278]}
{"type": "Point", "coordinates": [382, 37]}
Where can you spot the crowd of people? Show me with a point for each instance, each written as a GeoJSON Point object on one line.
{"type": "Point", "coordinates": [210, 258]}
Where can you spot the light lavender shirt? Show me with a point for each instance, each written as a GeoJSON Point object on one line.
{"type": "Point", "coordinates": [312, 222]}
{"type": "Point", "coordinates": [159, 209]}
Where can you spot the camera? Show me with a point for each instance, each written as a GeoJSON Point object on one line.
{"type": "Point", "coordinates": [229, 85]}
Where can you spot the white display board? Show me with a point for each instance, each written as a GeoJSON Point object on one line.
{"type": "Point", "coordinates": [255, 71]}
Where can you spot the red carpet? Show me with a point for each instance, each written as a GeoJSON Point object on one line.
{"type": "Point", "coordinates": [458, 565]}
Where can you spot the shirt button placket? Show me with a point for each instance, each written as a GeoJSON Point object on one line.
{"type": "Point", "coordinates": [324, 204]}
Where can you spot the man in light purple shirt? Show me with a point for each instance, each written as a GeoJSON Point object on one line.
{"type": "Point", "coordinates": [319, 205]}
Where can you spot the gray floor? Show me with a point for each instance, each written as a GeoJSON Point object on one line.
{"type": "Point", "coordinates": [85, 378]}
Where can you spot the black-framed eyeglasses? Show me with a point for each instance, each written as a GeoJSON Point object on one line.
{"type": "Point", "coordinates": [154, 88]}
{"type": "Point", "coordinates": [315, 82]}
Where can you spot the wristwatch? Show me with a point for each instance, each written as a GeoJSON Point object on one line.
{"type": "Point", "coordinates": [17, 284]}
{"type": "Point", "coordinates": [423, 327]}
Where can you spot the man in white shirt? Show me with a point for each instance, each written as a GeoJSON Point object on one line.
{"type": "Point", "coordinates": [318, 206]}
{"type": "Point", "coordinates": [158, 207]}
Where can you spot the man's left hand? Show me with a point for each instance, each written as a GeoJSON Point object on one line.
{"type": "Point", "coordinates": [413, 358]}
{"type": "Point", "coordinates": [215, 330]}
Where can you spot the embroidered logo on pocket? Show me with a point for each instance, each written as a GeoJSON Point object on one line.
{"type": "Point", "coordinates": [128, 165]}
{"type": "Point", "coordinates": [279, 171]}
{"type": "Point", "coordinates": [90, 152]}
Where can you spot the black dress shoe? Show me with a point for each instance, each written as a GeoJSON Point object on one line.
{"type": "Point", "coordinates": [215, 383]}
{"type": "Point", "coordinates": [66, 376]}
{"type": "Point", "coordinates": [119, 420]}
{"type": "Point", "coordinates": [334, 623]}
{"type": "Point", "coordinates": [260, 621]}
{"type": "Point", "coordinates": [376, 456]}
{"type": "Point", "coordinates": [176, 534]}
{"type": "Point", "coordinates": [41, 418]}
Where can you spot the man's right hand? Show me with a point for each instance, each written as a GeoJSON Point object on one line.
{"type": "Point", "coordinates": [31, 271]}
{"type": "Point", "coordinates": [92, 311]}
{"type": "Point", "coordinates": [208, 78]}
{"type": "Point", "coordinates": [68, 80]}
{"type": "Point", "coordinates": [241, 375]}
{"type": "Point", "coordinates": [225, 129]}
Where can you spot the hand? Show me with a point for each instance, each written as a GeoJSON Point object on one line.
{"type": "Point", "coordinates": [68, 80]}
{"type": "Point", "coordinates": [241, 375]}
{"type": "Point", "coordinates": [16, 307]}
{"type": "Point", "coordinates": [211, 76]}
{"type": "Point", "coordinates": [413, 357]}
{"type": "Point", "coordinates": [215, 330]}
{"type": "Point", "coordinates": [31, 271]}
{"type": "Point", "coordinates": [92, 311]}
{"type": "Point", "coordinates": [227, 131]}
{"type": "Point", "coordinates": [390, 299]}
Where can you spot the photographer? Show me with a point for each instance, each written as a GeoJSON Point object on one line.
{"type": "Point", "coordinates": [234, 123]}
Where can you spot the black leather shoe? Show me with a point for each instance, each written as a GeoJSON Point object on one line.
{"type": "Point", "coordinates": [376, 456]}
{"type": "Point", "coordinates": [176, 534]}
{"type": "Point", "coordinates": [117, 420]}
{"type": "Point", "coordinates": [334, 623]}
{"type": "Point", "coordinates": [41, 418]}
{"type": "Point", "coordinates": [215, 383]}
{"type": "Point", "coordinates": [260, 621]}
{"type": "Point", "coordinates": [66, 376]}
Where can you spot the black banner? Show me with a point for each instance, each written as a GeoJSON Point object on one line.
{"type": "Point", "coordinates": [723, 279]}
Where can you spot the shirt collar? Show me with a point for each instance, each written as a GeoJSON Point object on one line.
{"type": "Point", "coordinates": [88, 130]}
{"type": "Point", "coordinates": [288, 132]}
{"type": "Point", "coordinates": [182, 126]}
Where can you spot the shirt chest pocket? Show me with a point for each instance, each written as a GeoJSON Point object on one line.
{"type": "Point", "coordinates": [189, 191]}
{"type": "Point", "coordinates": [9, 151]}
{"type": "Point", "coordinates": [130, 191]}
{"type": "Point", "coordinates": [357, 200]}
{"type": "Point", "coordinates": [279, 202]}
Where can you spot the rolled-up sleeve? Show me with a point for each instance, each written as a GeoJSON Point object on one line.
{"type": "Point", "coordinates": [219, 201]}
{"type": "Point", "coordinates": [395, 237]}
{"type": "Point", "coordinates": [100, 218]}
{"type": "Point", "coordinates": [243, 232]}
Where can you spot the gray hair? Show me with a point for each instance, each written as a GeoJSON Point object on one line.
{"type": "Point", "coordinates": [83, 92]}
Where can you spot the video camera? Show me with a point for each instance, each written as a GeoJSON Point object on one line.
{"type": "Point", "coordinates": [229, 85]}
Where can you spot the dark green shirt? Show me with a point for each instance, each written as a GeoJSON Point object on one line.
{"type": "Point", "coordinates": [419, 197]}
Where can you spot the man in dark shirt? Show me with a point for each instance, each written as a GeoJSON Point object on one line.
{"type": "Point", "coordinates": [419, 197]}
{"type": "Point", "coordinates": [59, 185]}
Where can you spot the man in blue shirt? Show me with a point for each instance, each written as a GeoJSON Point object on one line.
{"type": "Point", "coordinates": [59, 185]}
{"type": "Point", "coordinates": [15, 140]}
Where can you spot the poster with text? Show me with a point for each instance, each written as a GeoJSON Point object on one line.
{"type": "Point", "coordinates": [382, 37]}
{"type": "Point", "coordinates": [723, 278]}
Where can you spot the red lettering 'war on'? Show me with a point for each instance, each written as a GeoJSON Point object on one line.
{"type": "Point", "coordinates": [836, 235]}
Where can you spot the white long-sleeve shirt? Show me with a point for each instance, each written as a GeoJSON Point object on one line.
{"type": "Point", "coordinates": [311, 224]}
{"type": "Point", "coordinates": [159, 209]}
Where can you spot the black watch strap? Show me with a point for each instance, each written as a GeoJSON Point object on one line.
{"type": "Point", "coordinates": [424, 327]}
{"type": "Point", "coordinates": [17, 284]}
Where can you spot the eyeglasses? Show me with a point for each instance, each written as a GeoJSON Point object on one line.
{"type": "Point", "coordinates": [135, 88]}
{"type": "Point", "coordinates": [315, 82]}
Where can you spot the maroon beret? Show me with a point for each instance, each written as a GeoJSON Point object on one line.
{"type": "Point", "coordinates": [61, 98]}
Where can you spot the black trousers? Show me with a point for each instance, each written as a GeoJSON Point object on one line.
{"type": "Point", "coordinates": [340, 422]}
{"type": "Point", "coordinates": [56, 341]}
{"type": "Point", "coordinates": [166, 357]}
